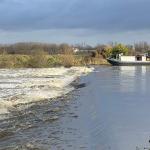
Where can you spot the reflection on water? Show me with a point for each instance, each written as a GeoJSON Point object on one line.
{"type": "Point", "coordinates": [133, 78]}
{"type": "Point", "coordinates": [125, 106]}
{"type": "Point", "coordinates": [111, 113]}
{"type": "Point", "coordinates": [127, 78]}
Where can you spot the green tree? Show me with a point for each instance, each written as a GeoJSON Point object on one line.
{"type": "Point", "coordinates": [120, 48]}
{"type": "Point", "coordinates": [106, 51]}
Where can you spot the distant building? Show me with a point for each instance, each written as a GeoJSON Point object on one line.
{"type": "Point", "coordinates": [75, 50]}
{"type": "Point", "coordinates": [87, 50]}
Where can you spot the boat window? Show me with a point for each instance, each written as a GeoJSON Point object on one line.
{"type": "Point", "coordinates": [139, 58]}
{"type": "Point", "coordinates": [147, 58]}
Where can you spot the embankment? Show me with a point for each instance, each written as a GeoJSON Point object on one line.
{"type": "Point", "coordinates": [41, 60]}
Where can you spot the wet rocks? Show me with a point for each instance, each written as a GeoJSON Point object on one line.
{"type": "Point", "coordinates": [31, 146]}
{"type": "Point", "coordinates": [51, 119]}
{"type": "Point", "coordinates": [5, 134]}
{"type": "Point", "coordinates": [75, 116]}
{"type": "Point", "coordinates": [54, 110]}
{"type": "Point", "coordinates": [79, 85]}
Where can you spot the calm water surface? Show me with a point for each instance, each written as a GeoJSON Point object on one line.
{"type": "Point", "coordinates": [111, 113]}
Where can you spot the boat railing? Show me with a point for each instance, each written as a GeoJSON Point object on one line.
{"type": "Point", "coordinates": [144, 148]}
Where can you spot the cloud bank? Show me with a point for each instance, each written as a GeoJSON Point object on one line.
{"type": "Point", "coordinates": [63, 20]}
{"type": "Point", "coordinates": [75, 14]}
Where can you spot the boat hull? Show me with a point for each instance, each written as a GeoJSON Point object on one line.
{"type": "Point", "coordinates": [115, 62]}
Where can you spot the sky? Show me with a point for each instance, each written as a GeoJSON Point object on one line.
{"type": "Point", "coordinates": [74, 21]}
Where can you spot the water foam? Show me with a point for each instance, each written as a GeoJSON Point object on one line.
{"type": "Point", "coordinates": [24, 86]}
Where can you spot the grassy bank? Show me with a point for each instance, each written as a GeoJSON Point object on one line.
{"type": "Point", "coordinates": [42, 60]}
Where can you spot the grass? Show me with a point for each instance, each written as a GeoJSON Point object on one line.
{"type": "Point", "coordinates": [43, 60]}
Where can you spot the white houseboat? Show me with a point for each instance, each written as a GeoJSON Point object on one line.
{"type": "Point", "coordinates": [122, 60]}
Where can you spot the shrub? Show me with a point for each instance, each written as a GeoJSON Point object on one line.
{"type": "Point", "coordinates": [6, 63]}
{"type": "Point", "coordinates": [66, 49]}
{"type": "Point", "coordinates": [38, 59]}
{"type": "Point", "coordinates": [54, 60]}
{"type": "Point", "coordinates": [106, 51]}
{"type": "Point", "coordinates": [21, 61]}
{"type": "Point", "coordinates": [67, 60]}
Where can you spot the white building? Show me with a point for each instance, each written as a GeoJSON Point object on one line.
{"type": "Point", "coordinates": [75, 50]}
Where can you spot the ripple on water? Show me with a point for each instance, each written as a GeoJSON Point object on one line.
{"type": "Point", "coordinates": [26, 121]}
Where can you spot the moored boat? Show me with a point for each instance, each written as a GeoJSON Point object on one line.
{"type": "Point", "coordinates": [121, 60]}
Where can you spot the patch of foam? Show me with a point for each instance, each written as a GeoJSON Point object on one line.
{"type": "Point", "coordinates": [4, 106]}
{"type": "Point", "coordinates": [23, 86]}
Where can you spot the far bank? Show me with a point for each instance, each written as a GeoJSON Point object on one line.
{"type": "Point", "coordinates": [43, 60]}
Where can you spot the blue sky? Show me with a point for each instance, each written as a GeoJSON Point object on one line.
{"type": "Point", "coordinates": [74, 21]}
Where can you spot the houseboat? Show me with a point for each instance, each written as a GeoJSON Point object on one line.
{"type": "Point", "coordinates": [121, 60]}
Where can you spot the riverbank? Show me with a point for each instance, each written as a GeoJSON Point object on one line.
{"type": "Point", "coordinates": [20, 88]}
{"type": "Point", "coordinates": [42, 60]}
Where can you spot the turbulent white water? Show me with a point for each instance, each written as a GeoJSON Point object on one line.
{"type": "Point", "coordinates": [25, 86]}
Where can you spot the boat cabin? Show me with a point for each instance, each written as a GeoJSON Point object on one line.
{"type": "Point", "coordinates": [121, 60]}
{"type": "Point", "coordinates": [142, 58]}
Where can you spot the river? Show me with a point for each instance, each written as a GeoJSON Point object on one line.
{"type": "Point", "coordinates": [110, 113]}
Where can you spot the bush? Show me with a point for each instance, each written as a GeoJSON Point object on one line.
{"type": "Point", "coordinates": [54, 60]}
{"type": "Point", "coordinates": [67, 60]}
{"type": "Point", "coordinates": [6, 62]}
{"type": "Point", "coordinates": [66, 49]}
{"type": "Point", "coordinates": [21, 61]}
{"type": "Point", "coordinates": [39, 59]}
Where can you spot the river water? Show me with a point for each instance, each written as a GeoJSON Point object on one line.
{"type": "Point", "coordinates": [110, 113]}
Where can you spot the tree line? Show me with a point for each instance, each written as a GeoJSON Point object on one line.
{"type": "Point", "coordinates": [115, 48]}
{"type": "Point", "coordinates": [101, 49]}
{"type": "Point", "coordinates": [30, 48]}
